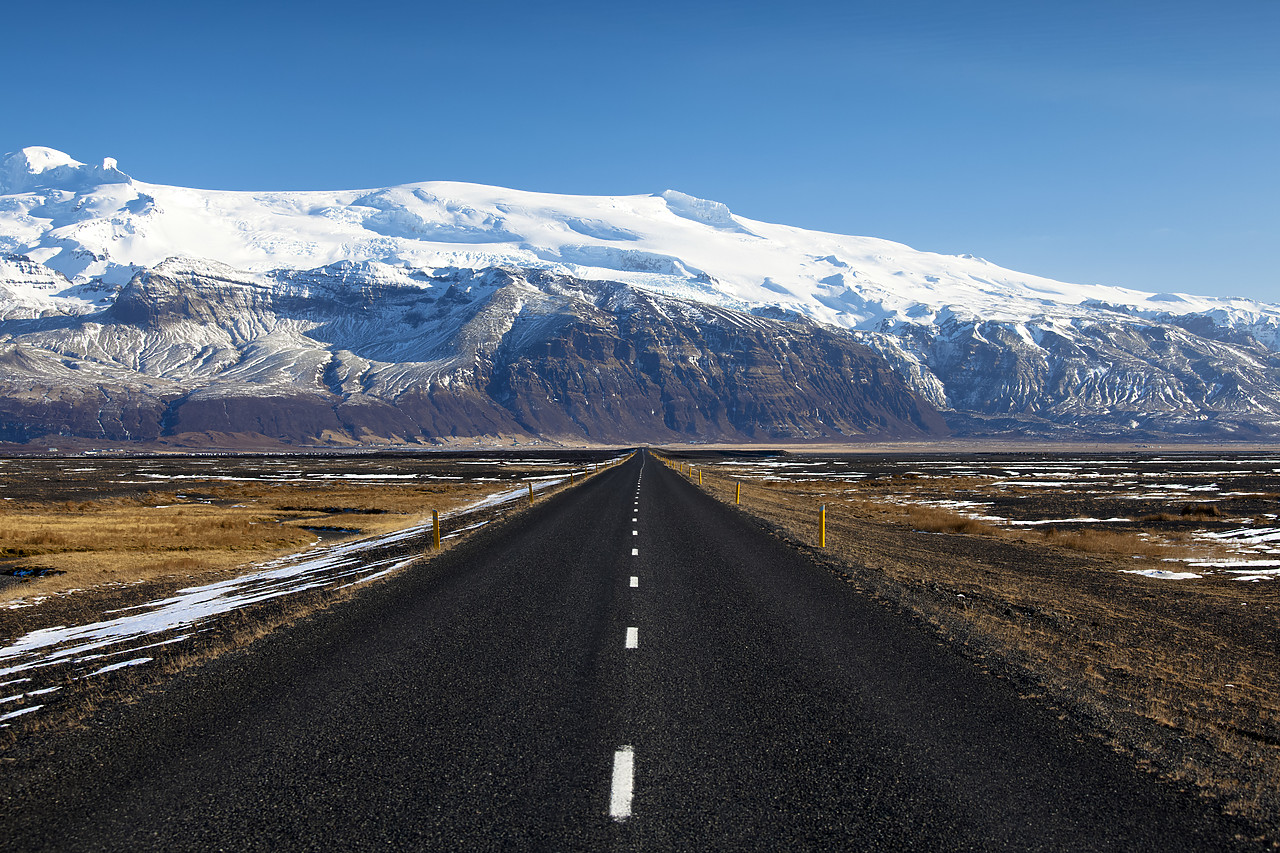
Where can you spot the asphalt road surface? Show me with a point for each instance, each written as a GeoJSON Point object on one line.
{"type": "Point", "coordinates": [628, 666]}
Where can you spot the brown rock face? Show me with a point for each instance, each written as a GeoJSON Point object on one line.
{"type": "Point", "coordinates": [690, 372]}
{"type": "Point", "coordinates": [36, 412]}
{"type": "Point", "coordinates": [42, 395]}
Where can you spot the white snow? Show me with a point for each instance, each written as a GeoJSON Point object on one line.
{"type": "Point", "coordinates": [1162, 573]}
{"type": "Point", "coordinates": [1256, 575]}
{"type": "Point", "coordinates": [1245, 535]}
{"type": "Point", "coordinates": [1044, 521]}
{"type": "Point", "coordinates": [121, 665]}
{"type": "Point", "coordinates": [88, 222]}
{"type": "Point", "coordinates": [20, 712]}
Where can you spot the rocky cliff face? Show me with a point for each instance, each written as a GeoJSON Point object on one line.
{"type": "Point", "coordinates": [1108, 375]}
{"type": "Point", "coordinates": [344, 355]}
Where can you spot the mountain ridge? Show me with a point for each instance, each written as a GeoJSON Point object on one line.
{"type": "Point", "coordinates": [186, 300]}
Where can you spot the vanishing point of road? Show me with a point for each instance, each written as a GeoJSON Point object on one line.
{"type": "Point", "coordinates": [630, 665]}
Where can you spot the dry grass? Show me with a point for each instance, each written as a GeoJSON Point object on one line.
{"type": "Point", "coordinates": [936, 520]}
{"type": "Point", "coordinates": [1186, 680]}
{"type": "Point", "coordinates": [1112, 543]}
{"type": "Point", "coordinates": [211, 527]}
{"type": "Point", "coordinates": [906, 500]}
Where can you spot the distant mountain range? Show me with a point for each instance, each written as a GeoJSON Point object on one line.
{"type": "Point", "coordinates": [455, 313]}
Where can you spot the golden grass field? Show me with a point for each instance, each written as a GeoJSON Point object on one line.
{"type": "Point", "coordinates": [123, 540]}
{"type": "Point", "coordinates": [1184, 679]}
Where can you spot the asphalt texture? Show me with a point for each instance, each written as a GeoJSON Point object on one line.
{"type": "Point", "coordinates": [477, 702]}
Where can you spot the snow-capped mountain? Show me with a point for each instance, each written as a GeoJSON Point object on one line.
{"type": "Point", "coordinates": [181, 300]}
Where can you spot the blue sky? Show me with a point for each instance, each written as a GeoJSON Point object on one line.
{"type": "Point", "coordinates": [1126, 143]}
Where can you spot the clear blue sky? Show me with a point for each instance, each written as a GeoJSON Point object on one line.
{"type": "Point", "coordinates": [1128, 143]}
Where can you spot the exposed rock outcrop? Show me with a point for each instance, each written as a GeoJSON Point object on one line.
{"type": "Point", "coordinates": [305, 358]}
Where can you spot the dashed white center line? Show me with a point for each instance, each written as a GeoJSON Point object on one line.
{"type": "Point", "coordinates": [624, 771]}
{"type": "Point", "coordinates": [635, 533]}
{"type": "Point", "coordinates": [635, 552]}
{"type": "Point", "coordinates": [634, 519]}
{"type": "Point", "coordinates": [635, 581]}
{"type": "Point", "coordinates": [633, 638]}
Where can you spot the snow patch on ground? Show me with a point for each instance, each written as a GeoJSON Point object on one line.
{"type": "Point", "coordinates": [1163, 574]}
{"type": "Point", "coordinates": [111, 667]}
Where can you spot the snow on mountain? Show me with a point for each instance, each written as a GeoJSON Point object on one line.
{"type": "Point", "coordinates": [34, 169]}
{"type": "Point", "coordinates": [90, 222]}
{"type": "Point", "coordinates": [131, 309]}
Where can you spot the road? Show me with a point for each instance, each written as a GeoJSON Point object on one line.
{"type": "Point", "coordinates": [627, 666]}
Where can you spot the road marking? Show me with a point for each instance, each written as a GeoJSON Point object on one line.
{"type": "Point", "coordinates": [635, 552]}
{"type": "Point", "coordinates": [633, 518]}
{"type": "Point", "coordinates": [635, 533]}
{"type": "Point", "coordinates": [635, 581]}
{"type": "Point", "coordinates": [633, 638]}
{"type": "Point", "coordinates": [624, 772]}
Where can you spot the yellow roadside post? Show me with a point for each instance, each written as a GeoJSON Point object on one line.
{"type": "Point", "coordinates": [570, 478]}
{"type": "Point", "coordinates": [822, 527]}
{"type": "Point", "coordinates": [699, 476]}
{"type": "Point", "coordinates": [530, 485]}
{"type": "Point", "coordinates": [435, 528]}
{"type": "Point", "coordinates": [738, 497]}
